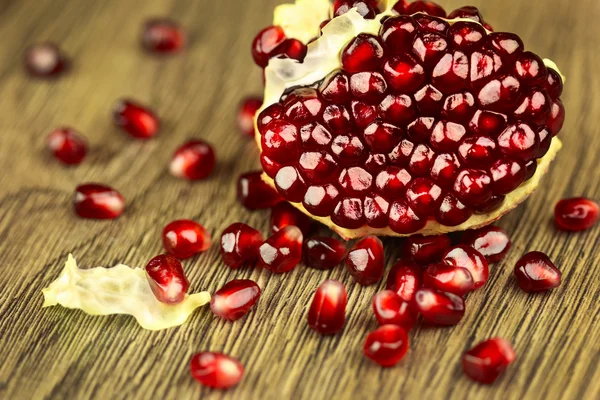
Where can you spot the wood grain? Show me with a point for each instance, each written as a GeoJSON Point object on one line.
{"type": "Point", "coordinates": [63, 354]}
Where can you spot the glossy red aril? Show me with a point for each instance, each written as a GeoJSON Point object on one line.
{"type": "Point", "coordinates": [469, 12]}
{"type": "Point", "coordinates": [467, 257]}
{"type": "Point", "coordinates": [282, 251]}
{"type": "Point", "coordinates": [485, 362]}
{"type": "Point", "coordinates": [363, 53]}
{"type": "Point", "coordinates": [136, 119]}
{"type": "Point", "coordinates": [239, 244]}
{"type": "Point", "coordinates": [96, 201]}
{"type": "Point", "coordinates": [216, 370]}
{"type": "Point", "coordinates": [327, 312]}
{"type": "Point", "coordinates": [265, 43]}
{"type": "Point", "coordinates": [167, 279]}
{"type": "Point", "coordinates": [253, 193]}
{"type": "Point", "coordinates": [576, 214]}
{"type": "Point", "coordinates": [491, 241]}
{"type": "Point", "coordinates": [185, 238]}
{"type": "Point", "coordinates": [389, 308]}
{"type": "Point", "coordinates": [405, 279]}
{"type": "Point", "coordinates": [235, 299]}
{"type": "Point", "coordinates": [364, 8]}
{"type": "Point", "coordinates": [427, 7]}
{"type": "Point", "coordinates": [447, 278]}
{"type": "Point", "coordinates": [194, 160]}
{"type": "Point", "coordinates": [365, 260]}
{"type": "Point", "coordinates": [386, 345]}
{"type": "Point", "coordinates": [45, 60]}
{"type": "Point", "coordinates": [163, 36]}
{"type": "Point", "coordinates": [67, 146]}
{"type": "Point", "coordinates": [535, 272]}
{"type": "Point", "coordinates": [283, 214]}
{"type": "Point", "coordinates": [425, 249]}
{"type": "Point", "coordinates": [439, 308]}
{"type": "Point", "coordinates": [324, 252]}
{"type": "Point", "coordinates": [245, 118]}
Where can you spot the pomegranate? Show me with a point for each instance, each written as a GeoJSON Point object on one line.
{"type": "Point", "coordinates": [389, 308]}
{"type": "Point", "coordinates": [162, 35]}
{"type": "Point", "coordinates": [239, 244]}
{"type": "Point", "coordinates": [576, 214]}
{"type": "Point", "coordinates": [235, 299]}
{"type": "Point", "coordinates": [485, 362]}
{"type": "Point", "coordinates": [97, 201]}
{"type": "Point", "coordinates": [449, 279]}
{"type": "Point", "coordinates": [246, 114]}
{"type": "Point", "coordinates": [283, 215]}
{"type": "Point", "coordinates": [194, 160]}
{"type": "Point", "coordinates": [167, 279]}
{"type": "Point", "coordinates": [491, 242]}
{"type": "Point", "coordinates": [45, 60]}
{"type": "Point", "coordinates": [365, 261]}
{"type": "Point", "coordinates": [324, 252]}
{"type": "Point", "coordinates": [467, 257]}
{"type": "Point", "coordinates": [439, 308]}
{"type": "Point", "coordinates": [405, 279]}
{"type": "Point", "coordinates": [185, 238]}
{"type": "Point", "coordinates": [425, 249]}
{"type": "Point", "coordinates": [137, 120]}
{"type": "Point", "coordinates": [216, 370]}
{"type": "Point", "coordinates": [327, 313]}
{"type": "Point", "coordinates": [535, 272]}
{"type": "Point", "coordinates": [67, 146]}
{"type": "Point", "coordinates": [255, 194]}
{"type": "Point", "coordinates": [282, 251]}
{"type": "Point", "coordinates": [386, 345]}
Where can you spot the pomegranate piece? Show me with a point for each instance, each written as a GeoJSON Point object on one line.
{"type": "Point", "coordinates": [467, 257]}
{"type": "Point", "coordinates": [194, 160]}
{"type": "Point", "coordinates": [327, 313]}
{"type": "Point", "coordinates": [96, 201]}
{"type": "Point", "coordinates": [386, 345]}
{"type": "Point", "coordinates": [185, 238]}
{"type": "Point", "coordinates": [439, 308]}
{"type": "Point", "coordinates": [245, 119]}
{"type": "Point", "coordinates": [448, 278]}
{"type": "Point", "coordinates": [216, 370]}
{"type": "Point", "coordinates": [363, 53]}
{"type": "Point", "coordinates": [283, 214]}
{"type": "Point", "coordinates": [492, 242]}
{"type": "Point", "coordinates": [67, 146]}
{"type": "Point", "coordinates": [137, 120]}
{"type": "Point", "coordinates": [389, 308]}
{"type": "Point", "coordinates": [162, 35]}
{"type": "Point", "coordinates": [235, 299]}
{"type": "Point", "coordinates": [253, 193]}
{"type": "Point", "coordinates": [404, 279]}
{"type": "Point", "coordinates": [535, 272]}
{"type": "Point", "coordinates": [282, 251]}
{"type": "Point", "coordinates": [239, 244]}
{"type": "Point", "coordinates": [365, 260]}
{"type": "Point", "coordinates": [265, 43]}
{"type": "Point", "coordinates": [167, 279]}
{"type": "Point", "coordinates": [425, 249]}
{"type": "Point", "coordinates": [485, 362]}
{"type": "Point", "coordinates": [45, 60]}
{"type": "Point", "coordinates": [576, 214]}
{"type": "Point", "coordinates": [324, 252]}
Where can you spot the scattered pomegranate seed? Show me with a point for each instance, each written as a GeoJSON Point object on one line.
{"type": "Point", "coordinates": [439, 308]}
{"type": "Point", "coordinates": [282, 251]}
{"type": "Point", "coordinates": [96, 201]}
{"type": "Point", "coordinates": [235, 299]}
{"type": "Point", "coordinates": [162, 35]}
{"type": "Point", "coordinates": [194, 160]}
{"type": "Point", "coordinates": [216, 370]}
{"type": "Point", "coordinates": [284, 214]}
{"type": "Point", "coordinates": [254, 193]}
{"type": "Point", "coordinates": [245, 119]}
{"type": "Point", "coordinates": [167, 279]}
{"type": "Point", "coordinates": [327, 313]}
{"type": "Point", "coordinates": [365, 260]}
{"type": "Point", "coordinates": [265, 43]}
{"type": "Point", "coordinates": [185, 238]}
{"type": "Point", "coordinates": [386, 345]}
{"type": "Point", "coordinates": [467, 257]}
{"type": "Point", "coordinates": [45, 60]}
{"type": "Point", "coordinates": [239, 244]}
{"type": "Point", "coordinates": [67, 146]}
{"type": "Point", "coordinates": [576, 214]}
{"type": "Point", "coordinates": [492, 242]}
{"type": "Point", "coordinates": [536, 273]}
{"type": "Point", "coordinates": [389, 308]}
{"type": "Point", "coordinates": [137, 120]}
{"type": "Point", "coordinates": [485, 362]}
{"type": "Point", "coordinates": [404, 278]}
{"type": "Point", "coordinates": [425, 249]}
{"type": "Point", "coordinates": [324, 252]}
{"type": "Point", "coordinates": [448, 278]}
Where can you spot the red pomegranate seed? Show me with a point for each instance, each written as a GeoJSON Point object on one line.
{"type": "Point", "coordinates": [403, 219]}
{"type": "Point", "coordinates": [283, 214]}
{"type": "Point", "coordinates": [216, 370]}
{"type": "Point", "coordinates": [324, 252]}
{"type": "Point", "coordinates": [389, 308]}
{"type": "Point", "coordinates": [363, 53]}
{"type": "Point", "coordinates": [473, 186]}
{"type": "Point", "coordinates": [425, 249]}
{"type": "Point", "coordinates": [365, 260]}
{"type": "Point", "coordinates": [485, 362]}
{"type": "Point", "coordinates": [167, 279]}
{"type": "Point", "coordinates": [245, 119]}
{"type": "Point", "coordinates": [96, 201]}
{"type": "Point", "coordinates": [469, 12]}
{"type": "Point", "coordinates": [254, 193]}
{"type": "Point", "coordinates": [557, 117]}
{"type": "Point", "coordinates": [364, 8]}
{"type": "Point", "coordinates": [327, 313]}
{"type": "Point", "coordinates": [386, 345]}
{"type": "Point", "coordinates": [467, 257]}
{"type": "Point", "coordinates": [398, 33]}
{"type": "Point", "coordinates": [428, 7]}
{"type": "Point", "coordinates": [492, 242]}
{"type": "Point", "coordinates": [321, 200]}
{"type": "Point", "coordinates": [265, 43]}
{"type": "Point", "coordinates": [137, 120]}
{"type": "Point", "coordinates": [185, 238]}
{"type": "Point", "coordinates": [576, 214]}
{"type": "Point", "coordinates": [401, 6]}
{"type": "Point", "coordinates": [290, 184]}
{"type": "Point", "coordinates": [335, 88]}
{"type": "Point", "coordinates": [554, 84]}
{"type": "Point", "coordinates": [235, 299]}
{"type": "Point", "coordinates": [194, 160]}
{"type": "Point", "coordinates": [67, 146]}
{"type": "Point", "coordinates": [536, 273]}
{"type": "Point", "coordinates": [507, 175]}
{"type": "Point", "coordinates": [282, 251]}
{"type": "Point", "coordinates": [45, 60]}
{"type": "Point", "coordinates": [404, 73]}
{"type": "Point", "coordinates": [239, 244]}
{"type": "Point", "coordinates": [452, 212]}
{"type": "Point", "coordinates": [290, 48]}
{"type": "Point", "coordinates": [447, 278]}
{"type": "Point", "coordinates": [404, 279]}
{"type": "Point", "coordinates": [162, 36]}
{"type": "Point", "coordinates": [440, 308]}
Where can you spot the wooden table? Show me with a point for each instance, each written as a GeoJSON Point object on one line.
{"type": "Point", "coordinates": [65, 354]}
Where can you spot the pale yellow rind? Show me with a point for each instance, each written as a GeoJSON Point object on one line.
{"type": "Point", "coordinates": [118, 290]}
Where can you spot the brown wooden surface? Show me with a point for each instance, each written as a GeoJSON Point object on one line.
{"type": "Point", "coordinates": [65, 354]}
